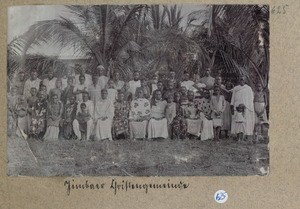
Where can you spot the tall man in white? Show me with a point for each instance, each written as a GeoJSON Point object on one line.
{"type": "Point", "coordinates": [104, 113]}
{"type": "Point", "coordinates": [243, 94]}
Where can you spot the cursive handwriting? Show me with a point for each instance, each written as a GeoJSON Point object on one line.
{"type": "Point", "coordinates": [124, 185]}
{"type": "Point", "coordinates": [71, 185]}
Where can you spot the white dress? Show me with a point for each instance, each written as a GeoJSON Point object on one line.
{"type": "Point", "coordinates": [217, 106]}
{"type": "Point", "coordinates": [158, 125]}
{"type": "Point", "coordinates": [240, 126]}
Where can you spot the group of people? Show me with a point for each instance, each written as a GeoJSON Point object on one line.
{"type": "Point", "coordinates": [83, 107]}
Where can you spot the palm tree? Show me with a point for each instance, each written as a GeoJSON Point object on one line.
{"type": "Point", "coordinates": [239, 34]}
{"type": "Point", "coordinates": [170, 45]}
{"type": "Point", "coordinates": [97, 32]}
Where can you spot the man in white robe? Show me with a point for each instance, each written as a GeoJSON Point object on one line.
{"type": "Point", "coordinates": [90, 124]}
{"type": "Point", "coordinates": [243, 94]}
{"type": "Point", "coordinates": [104, 113]}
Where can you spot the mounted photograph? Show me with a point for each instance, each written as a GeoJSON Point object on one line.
{"type": "Point", "coordinates": [138, 90]}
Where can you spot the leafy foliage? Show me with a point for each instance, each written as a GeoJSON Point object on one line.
{"type": "Point", "coordinates": [151, 38]}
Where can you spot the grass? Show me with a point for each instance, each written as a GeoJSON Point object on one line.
{"type": "Point", "coordinates": [144, 158]}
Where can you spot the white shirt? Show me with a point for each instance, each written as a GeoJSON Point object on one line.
{"type": "Point", "coordinates": [188, 84]}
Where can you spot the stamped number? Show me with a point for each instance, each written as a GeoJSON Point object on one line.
{"type": "Point", "coordinates": [280, 9]}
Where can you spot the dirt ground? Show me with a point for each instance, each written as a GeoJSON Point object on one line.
{"type": "Point", "coordinates": [137, 158]}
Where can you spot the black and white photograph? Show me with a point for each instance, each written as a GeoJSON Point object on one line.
{"type": "Point", "coordinates": [138, 90]}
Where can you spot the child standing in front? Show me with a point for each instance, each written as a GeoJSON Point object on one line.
{"type": "Point", "coordinates": [240, 122]}
{"type": "Point", "coordinates": [260, 111]}
{"type": "Point", "coordinates": [217, 103]}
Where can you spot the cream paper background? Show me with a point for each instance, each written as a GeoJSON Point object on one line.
{"type": "Point", "coordinates": [278, 190]}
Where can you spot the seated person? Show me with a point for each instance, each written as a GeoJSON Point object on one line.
{"type": "Point", "coordinates": [158, 125]}
{"type": "Point", "coordinates": [139, 115]}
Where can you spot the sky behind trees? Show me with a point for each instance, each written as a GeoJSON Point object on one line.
{"type": "Point", "coordinates": [20, 18]}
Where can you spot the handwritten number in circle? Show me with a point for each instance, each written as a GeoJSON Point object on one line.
{"type": "Point", "coordinates": [220, 196]}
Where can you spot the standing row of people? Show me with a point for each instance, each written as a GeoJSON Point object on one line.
{"type": "Point", "coordinates": [84, 106]}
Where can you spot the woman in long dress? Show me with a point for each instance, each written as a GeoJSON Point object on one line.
{"type": "Point", "coordinates": [120, 122]}
{"type": "Point", "coordinates": [158, 126]}
{"type": "Point", "coordinates": [217, 103]}
{"type": "Point", "coordinates": [227, 118]}
{"type": "Point", "coordinates": [68, 117]}
{"type": "Point", "coordinates": [170, 112]}
{"type": "Point", "coordinates": [204, 109]}
{"type": "Point", "coordinates": [22, 120]}
{"type": "Point", "coordinates": [179, 126]}
{"type": "Point", "coordinates": [38, 116]}
{"type": "Point", "coordinates": [54, 113]}
{"type": "Point", "coordinates": [139, 115]}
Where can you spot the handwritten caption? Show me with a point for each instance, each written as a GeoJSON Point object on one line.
{"type": "Point", "coordinates": [116, 186]}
